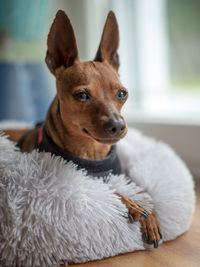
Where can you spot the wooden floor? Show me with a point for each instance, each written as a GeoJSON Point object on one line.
{"type": "Point", "coordinates": [182, 252]}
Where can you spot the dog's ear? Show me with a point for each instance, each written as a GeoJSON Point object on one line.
{"type": "Point", "coordinates": [109, 42]}
{"type": "Point", "coordinates": [61, 43]}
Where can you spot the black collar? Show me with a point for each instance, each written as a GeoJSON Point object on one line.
{"type": "Point", "coordinates": [97, 168]}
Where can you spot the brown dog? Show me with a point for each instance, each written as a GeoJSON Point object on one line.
{"type": "Point", "coordinates": [84, 118]}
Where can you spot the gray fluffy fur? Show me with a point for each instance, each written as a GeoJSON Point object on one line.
{"type": "Point", "coordinates": [51, 213]}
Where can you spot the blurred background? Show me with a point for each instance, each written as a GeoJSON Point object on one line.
{"type": "Point", "coordinates": [159, 54]}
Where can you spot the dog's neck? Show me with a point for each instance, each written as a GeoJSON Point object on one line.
{"type": "Point", "coordinates": [71, 141]}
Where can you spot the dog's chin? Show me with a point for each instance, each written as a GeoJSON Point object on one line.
{"type": "Point", "coordinates": [105, 140]}
{"type": "Point", "coordinates": [108, 141]}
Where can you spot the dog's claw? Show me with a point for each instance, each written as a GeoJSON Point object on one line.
{"type": "Point", "coordinates": [155, 242]}
{"type": "Point", "coordinates": [160, 234]}
{"type": "Point", "coordinates": [145, 237]}
{"type": "Point", "coordinates": [130, 218]}
{"type": "Point", "coordinates": [145, 214]}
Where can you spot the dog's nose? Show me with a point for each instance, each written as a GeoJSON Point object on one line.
{"type": "Point", "coordinates": [114, 127]}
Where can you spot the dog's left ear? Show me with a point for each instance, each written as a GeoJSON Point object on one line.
{"type": "Point", "coordinates": [107, 51]}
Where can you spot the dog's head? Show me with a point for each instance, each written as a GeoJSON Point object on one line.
{"type": "Point", "coordinates": [90, 93]}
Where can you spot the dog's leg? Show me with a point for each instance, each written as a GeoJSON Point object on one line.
{"type": "Point", "coordinates": [150, 228]}
{"type": "Point", "coordinates": [134, 210]}
{"type": "Point", "coordinates": [15, 134]}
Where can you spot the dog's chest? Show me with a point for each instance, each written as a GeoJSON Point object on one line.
{"type": "Point", "coordinates": [96, 168]}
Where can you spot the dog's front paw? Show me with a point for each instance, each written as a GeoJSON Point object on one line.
{"type": "Point", "coordinates": [150, 229]}
{"type": "Point", "coordinates": [135, 212]}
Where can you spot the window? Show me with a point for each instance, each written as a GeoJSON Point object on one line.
{"type": "Point", "coordinates": [164, 50]}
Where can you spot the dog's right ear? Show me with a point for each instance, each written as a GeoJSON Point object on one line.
{"type": "Point", "coordinates": [107, 51]}
{"type": "Point", "coordinates": [61, 43]}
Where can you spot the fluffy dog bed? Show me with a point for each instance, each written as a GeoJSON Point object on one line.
{"type": "Point", "coordinates": [51, 213]}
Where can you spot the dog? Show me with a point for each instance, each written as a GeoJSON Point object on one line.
{"type": "Point", "coordinates": [84, 123]}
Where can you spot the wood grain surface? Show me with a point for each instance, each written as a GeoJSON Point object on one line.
{"type": "Point", "coordinates": [182, 252]}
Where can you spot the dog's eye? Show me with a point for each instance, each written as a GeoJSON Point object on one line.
{"type": "Point", "coordinates": [82, 96]}
{"type": "Point", "coordinates": [122, 94]}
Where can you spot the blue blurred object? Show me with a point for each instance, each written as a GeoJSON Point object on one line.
{"type": "Point", "coordinates": [24, 91]}
{"type": "Point", "coordinates": [23, 19]}
{"type": "Point", "coordinates": [24, 85]}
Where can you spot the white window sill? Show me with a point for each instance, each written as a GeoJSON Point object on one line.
{"type": "Point", "coordinates": [161, 117]}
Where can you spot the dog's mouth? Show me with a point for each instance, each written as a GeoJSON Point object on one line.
{"type": "Point", "coordinates": [103, 140]}
{"type": "Point", "coordinates": [107, 140]}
